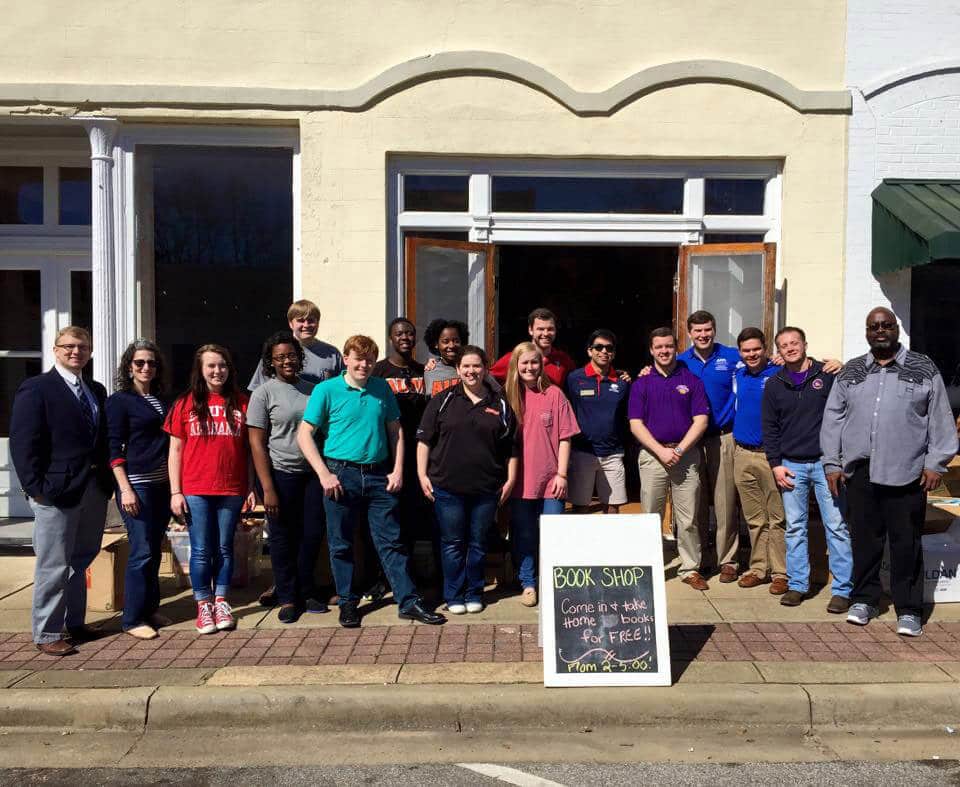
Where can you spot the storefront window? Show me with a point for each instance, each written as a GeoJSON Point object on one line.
{"type": "Point", "coordinates": [75, 205]}
{"type": "Point", "coordinates": [221, 246]}
{"type": "Point", "coordinates": [435, 192]}
{"type": "Point", "coordinates": [21, 195]}
{"type": "Point", "coordinates": [733, 196]}
{"type": "Point", "coordinates": [587, 195]}
{"type": "Point", "coordinates": [20, 336]}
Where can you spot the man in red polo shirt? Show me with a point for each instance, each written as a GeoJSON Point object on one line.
{"type": "Point", "coordinates": [542, 327]}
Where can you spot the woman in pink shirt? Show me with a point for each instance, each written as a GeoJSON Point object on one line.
{"type": "Point", "coordinates": [547, 424]}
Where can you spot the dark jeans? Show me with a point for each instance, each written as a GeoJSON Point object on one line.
{"type": "Point", "coordinates": [896, 513]}
{"type": "Point", "coordinates": [463, 522]}
{"type": "Point", "coordinates": [145, 531]}
{"type": "Point", "coordinates": [525, 535]}
{"type": "Point", "coordinates": [296, 535]}
{"type": "Point", "coordinates": [366, 491]}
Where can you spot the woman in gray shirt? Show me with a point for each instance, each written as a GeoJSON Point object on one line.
{"type": "Point", "coordinates": [292, 494]}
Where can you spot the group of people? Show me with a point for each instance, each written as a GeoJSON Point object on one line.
{"type": "Point", "coordinates": [334, 443]}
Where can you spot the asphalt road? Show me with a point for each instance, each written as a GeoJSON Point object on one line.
{"type": "Point", "coordinates": [850, 774]}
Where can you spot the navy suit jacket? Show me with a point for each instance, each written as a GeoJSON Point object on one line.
{"type": "Point", "coordinates": [52, 449]}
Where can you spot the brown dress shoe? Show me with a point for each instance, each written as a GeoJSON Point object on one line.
{"type": "Point", "coordinates": [751, 580]}
{"type": "Point", "coordinates": [60, 647]}
{"type": "Point", "coordinates": [778, 586]}
{"type": "Point", "coordinates": [728, 573]}
{"type": "Point", "coordinates": [694, 580]}
{"type": "Point", "coordinates": [792, 598]}
{"type": "Point", "coordinates": [838, 605]}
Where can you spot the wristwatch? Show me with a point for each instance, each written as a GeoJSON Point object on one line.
{"type": "Point", "coordinates": [677, 451]}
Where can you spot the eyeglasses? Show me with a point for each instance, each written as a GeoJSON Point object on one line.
{"type": "Point", "coordinates": [139, 363]}
{"type": "Point", "coordinates": [83, 348]}
{"type": "Point", "coordinates": [603, 348]}
{"type": "Point", "coordinates": [286, 357]}
{"type": "Point", "coordinates": [881, 325]}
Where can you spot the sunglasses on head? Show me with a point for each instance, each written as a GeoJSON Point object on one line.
{"type": "Point", "coordinates": [603, 348]}
{"type": "Point", "coordinates": [139, 363]}
{"type": "Point", "coordinates": [881, 325]}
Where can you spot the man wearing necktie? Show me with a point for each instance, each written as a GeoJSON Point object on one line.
{"type": "Point", "coordinates": [59, 449]}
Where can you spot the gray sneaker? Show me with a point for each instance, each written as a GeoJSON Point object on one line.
{"type": "Point", "coordinates": [909, 626]}
{"type": "Point", "coordinates": [860, 614]}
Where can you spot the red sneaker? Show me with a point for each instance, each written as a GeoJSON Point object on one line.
{"type": "Point", "coordinates": [205, 620]}
{"type": "Point", "coordinates": [223, 615]}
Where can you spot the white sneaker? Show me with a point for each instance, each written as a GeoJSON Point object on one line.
{"type": "Point", "coordinates": [474, 606]}
{"type": "Point", "coordinates": [456, 609]}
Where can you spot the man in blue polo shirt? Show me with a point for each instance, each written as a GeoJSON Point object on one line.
{"type": "Point", "coordinates": [361, 469]}
{"type": "Point", "coordinates": [599, 400]}
{"type": "Point", "coordinates": [716, 364]}
{"type": "Point", "coordinates": [759, 495]}
{"type": "Point", "coordinates": [668, 413]}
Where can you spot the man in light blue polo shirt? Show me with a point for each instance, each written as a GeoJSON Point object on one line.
{"type": "Point", "coordinates": [361, 469]}
{"type": "Point", "coordinates": [716, 365]}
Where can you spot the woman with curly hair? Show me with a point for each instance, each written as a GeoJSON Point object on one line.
{"type": "Point", "coordinates": [292, 494]}
{"type": "Point", "coordinates": [444, 339]}
{"type": "Point", "coordinates": [209, 478]}
{"type": "Point", "coordinates": [138, 456]}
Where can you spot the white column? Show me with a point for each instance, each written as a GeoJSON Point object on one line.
{"type": "Point", "coordinates": [105, 318]}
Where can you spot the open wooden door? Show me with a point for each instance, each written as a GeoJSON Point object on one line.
{"type": "Point", "coordinates": [454, 280]}
{"type": "Point", "coordinates": [733, 281]}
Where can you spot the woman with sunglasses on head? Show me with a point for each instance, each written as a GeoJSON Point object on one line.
{"type": "Point", "coordinates": [547, 424]}
{"type": "Point", "coordinates": [292, 494]}
{"type": "Point", "coordinates": [209, 478]}
{"type": "Point", "coordinates": [138, 456]}
{"type": "Point", "coordinates": [467, 466]}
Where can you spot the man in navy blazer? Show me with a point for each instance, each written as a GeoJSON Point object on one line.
{"type": "Point", "coordinates": [58, 441]}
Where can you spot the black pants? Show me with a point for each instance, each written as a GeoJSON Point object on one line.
{"type": "Point", "coordinates": [895, 513]}
{"type": "Point", "coordinates": [296, 535]}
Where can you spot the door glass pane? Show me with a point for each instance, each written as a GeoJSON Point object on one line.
{"type": "Point", "coordinates": [734, 196]}
{"type": "Point", "coordinates": [75, 195]}
{"type": "Point", "coordinates": [588, 195]}
{"type": "Point", "coordinates": [435, 192]}
{"type": "Point", "coordinates": [20, 322]}
{"type": "Point", "coordinates": [13, 371]}
{"type": "Point", "coordinates": [443, 286]}
{"type": "Point", "coordinates": [733, 237]}
{"type": "Point", "coordinates": [81, 299]}
{"type": "Point", "coordinates": [222, 250]}
{"type": "Point", "coordinates": [21, 195]}
{"type": "Point", "coordinates": [729, 286]}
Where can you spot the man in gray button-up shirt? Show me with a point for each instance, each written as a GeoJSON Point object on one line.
{"type": "Point", "coordinates": [887, 436]}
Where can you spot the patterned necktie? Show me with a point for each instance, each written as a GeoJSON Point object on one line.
{"type": "Point", "coordinates": [86, 407]}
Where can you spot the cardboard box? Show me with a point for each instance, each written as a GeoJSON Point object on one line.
{"type": "Point", "coordinates": [941, 513]}
{"type": "Point", "coordinates": [941, 566]}
{"type": "Point", "coordinates": [105, 575]}
{"type": "Point", "coordinates": [247, 553]}
{"type": "Point", "coordinates": [950, 482]}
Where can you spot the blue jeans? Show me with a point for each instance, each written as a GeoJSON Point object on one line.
{"type": "Point", "coordinates": [463, 522]}
{"type": "Point", "coordinates": [213, 522]}
{"type": "Point", "coordinates": [525, 535]}
{"type": "Point", "coordinates": [795, 503]}
{"type": "Point", "coordinates": [296, 535]}
{"type": "Point", "coordinates": [366, 490]}
{"type": "Point", "coordinates": [145, 531]}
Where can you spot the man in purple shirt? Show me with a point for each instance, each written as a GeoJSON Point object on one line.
{"type": "Point", "coordinates": [668, 413]}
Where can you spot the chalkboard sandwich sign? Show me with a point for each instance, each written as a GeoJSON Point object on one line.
{"type": "Point", "coordinates": [603, 601]}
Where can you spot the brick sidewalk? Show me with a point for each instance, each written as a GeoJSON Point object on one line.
{"type": "Point", "coordinates": [409, 644]}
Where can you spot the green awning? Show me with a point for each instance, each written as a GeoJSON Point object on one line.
{"type": "Point", "coordinates": [915, 222]}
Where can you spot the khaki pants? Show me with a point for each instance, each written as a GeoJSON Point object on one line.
{"type": "Point", "coordinates": [717, 488]}
{"type": "Point", "coordinates": [763, 510]}
{"type": "Point", "coordinates": [683, 481]}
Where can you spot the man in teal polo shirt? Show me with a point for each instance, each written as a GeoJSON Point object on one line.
{"type": "Point", "coordinates": [361, 469]}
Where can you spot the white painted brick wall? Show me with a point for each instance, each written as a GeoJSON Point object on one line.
{"type": "Point", "coordinates": [911, 130]}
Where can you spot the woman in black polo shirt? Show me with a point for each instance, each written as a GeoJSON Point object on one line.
{"type": "Point", "coordinates": [467, 465]}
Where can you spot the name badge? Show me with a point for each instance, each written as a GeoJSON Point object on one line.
{"type": "Point", "coordinates": [587, 392]}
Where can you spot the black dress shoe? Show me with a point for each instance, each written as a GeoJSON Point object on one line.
{"type": "Point", "coordinates": [315, 605]}
{"type": "Point", "coordinates": [288, 613]}
{"type": "Point", "coordinates": [349, 616]}
{"type": "Point", "coordinates": [83, 633]}
{"type": "Point", "coordinates": [269, 597]}
{"type": "Point", "coordinates": [417, 612]}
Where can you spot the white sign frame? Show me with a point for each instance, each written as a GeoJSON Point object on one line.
{"type": "Point", "coordinates": [591, 540]}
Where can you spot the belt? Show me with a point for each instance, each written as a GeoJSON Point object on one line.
{"type": "Point", "coordinates": [747, 447]}
{"type": "Point", "coordinates": [364, 468]}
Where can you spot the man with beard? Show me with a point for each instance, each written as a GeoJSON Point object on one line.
{"type": "Point", "coordinates": [887, 435]}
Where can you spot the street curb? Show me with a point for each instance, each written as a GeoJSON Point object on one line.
{"type": "Point", "coordinates": [884, 705]}
{"type": "Point", "coordinates": [75, 709]}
